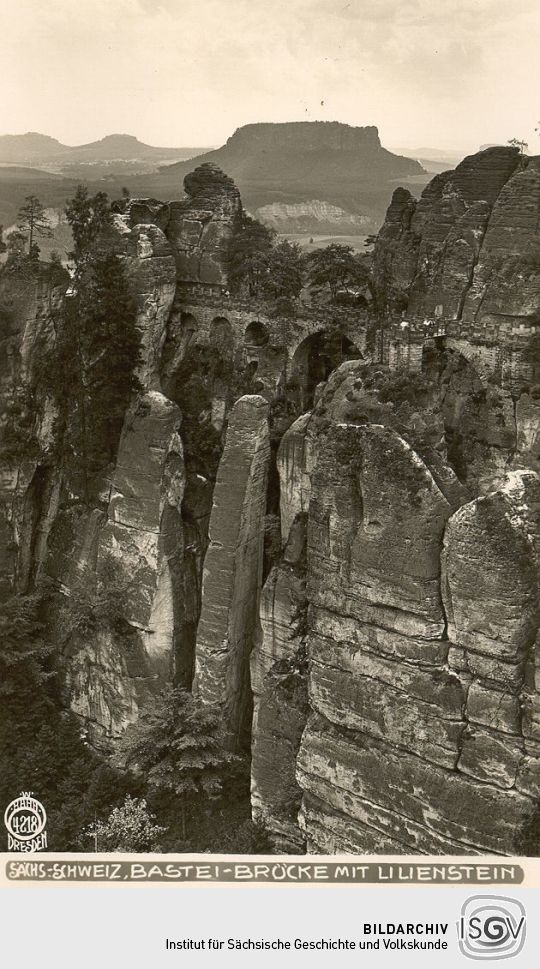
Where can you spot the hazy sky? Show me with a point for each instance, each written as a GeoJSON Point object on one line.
{"type": "Point", "coordinates": [441, 73]}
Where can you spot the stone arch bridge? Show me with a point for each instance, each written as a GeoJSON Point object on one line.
{"type": "Point", "coordinates": [284, 349]}
{"type": "Point", "coordinates": [278, 349]}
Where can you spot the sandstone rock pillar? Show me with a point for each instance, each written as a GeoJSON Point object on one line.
{"type": "Point", "coordinates": [138, 554]}
{"type": "Point", "coordinates": [280, 700]}
{"type": "Point", "coordinates": [232, 571]}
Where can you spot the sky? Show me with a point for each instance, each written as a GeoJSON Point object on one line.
{"type": "Point", "coordinates": [438, 73]}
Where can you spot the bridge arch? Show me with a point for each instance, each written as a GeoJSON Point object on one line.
{"type": "Point", "coordinates": [221, 336]}
{"type": "Point", "coordinates": [314, 359]}
{"type": "Point", "coordinates": [472, 355]}
{"type": "Point", "coordinates": [482, 368]}
{"type": "Point", "coordinates": [256, 334]}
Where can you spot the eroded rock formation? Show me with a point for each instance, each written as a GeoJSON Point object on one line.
{"type": "Point", "coordinates": [233, 566]}
{"type": "Point", "coordinates": [201, 226]}
{"type": "Point", "coordinates": [455, 253]}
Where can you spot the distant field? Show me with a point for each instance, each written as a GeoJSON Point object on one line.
{"type": "Point", "coordinates": [310, 242]}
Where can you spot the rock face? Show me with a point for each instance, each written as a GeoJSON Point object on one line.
{"type": "Point", "coordinates": [294, 466]}
{"type": "Point", "coordinates": [233, 566]}
{"type": "Point", "coordinates": [28, 490]}
{"type": "Point", "coordinates": [201, 226]}
{"type": "Point", "coordinates": [454, 253]}
{"type": "Point", "coordinates": [134, 553]}
{"type": "Point", "coordinates": [151, 274]}
{"type": "Point", "coordinates": [528, 432]}
{"type": "Point", "coordinates": [496, 539]}
{"type": "Point", "coordinates": [303, 216]}
{"type": "Point", "coordinates": [280, 694]}
{"type": "Point", "coordinates": [510, 244]}
{"type": "Point", "coordinates": [384, 685]}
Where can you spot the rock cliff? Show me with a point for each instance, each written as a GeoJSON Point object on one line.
{"type": "Point", "coordinates": [455, 253]}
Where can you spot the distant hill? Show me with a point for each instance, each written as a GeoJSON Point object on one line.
{"type": "Point", "coordinates": [18, 173]}
{"type": "Point", "coordinates": [434, 160]}
{"type": "Point", "coordinates": [435, 154]}
{"type": "Point", "coordinates": [300, 177]}
{"type": "Point", "coordinates": [36, 164]}
{"type": "Point", "coordinates": [305, 162]}
{"type": "Point", "coordinates": [38, 149]}
{"type": "Point", "coordinates": [18, 149]}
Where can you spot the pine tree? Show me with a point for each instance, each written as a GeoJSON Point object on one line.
{"type": "Point", "coordinates": [178, 746]}
{"type": "Point", "coordinates": [33, 222]}
{"type": "Point", "coordinates": [87, 215]}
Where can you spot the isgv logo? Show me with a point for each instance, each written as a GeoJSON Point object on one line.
{"type": "Point", "coordinates": [25, 819]}
{"type": "Point", "coordinates": [491, 927]}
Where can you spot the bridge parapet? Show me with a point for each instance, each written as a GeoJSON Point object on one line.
{"type": "Point", "coordinates": [498, 350]}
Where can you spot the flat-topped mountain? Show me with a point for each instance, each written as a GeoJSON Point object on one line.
{"type": "Point", "coordinates": [299, 162]}
{"type": "Point", "coordinates": [304, 136]}
{"type": "Point", "coordinates": [303, 151]}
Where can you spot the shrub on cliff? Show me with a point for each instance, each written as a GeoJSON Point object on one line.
{"type": "Point", "coordinates": [129, 827]}
{"type": "Point", "coordinates": [97, 606]}
{"type": "Point", "coordinates": [404, 387]}
{"type": "Point", "coordinates": [23, 647]}
{"type": "Point", "coordinates": [17, 418]}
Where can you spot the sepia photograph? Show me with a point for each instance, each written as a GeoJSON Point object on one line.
{"type": "Point", "coordinates": [270, 428]}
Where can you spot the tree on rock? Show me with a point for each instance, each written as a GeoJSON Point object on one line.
{"type": "Point", "coordinates": [178, 746]}
{"type": "Point", "coordinates": [518, 143]}
{"type": "Point", "coordinates": [248, 255]}
{"type": "Point", "coordinates": [87, 215]}
{"type": "Point", "coordinates": [284, 277]}
{"type": "Point", "coordinates": [336, 267]}
{"type": "Point", "coordinates": [33, 222]}
{"type": "Point", "coordinates": [15, 245]}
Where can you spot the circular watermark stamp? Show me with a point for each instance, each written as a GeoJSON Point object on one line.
{"type": "Point", "coordinates": [25, 819]}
